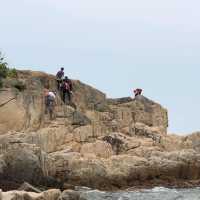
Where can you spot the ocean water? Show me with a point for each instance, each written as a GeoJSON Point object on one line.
{"type": "Point", "coordinates": [158, 193]}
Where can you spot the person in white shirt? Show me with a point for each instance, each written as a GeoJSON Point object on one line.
{"type": "Point", "coordinates": [52, 95]}
{"type": "Point", "coordinates": [50, 102]}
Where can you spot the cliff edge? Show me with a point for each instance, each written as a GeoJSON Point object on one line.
{"type": "Point", "coordinates": [102, 143]}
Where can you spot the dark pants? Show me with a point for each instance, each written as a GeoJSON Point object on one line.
{"type": "Point", "coordinates": [67, 97]}
{"type": "Point", "coordinates": [59, 82]}
{"type": "Point", "coordinates": [49, 107]}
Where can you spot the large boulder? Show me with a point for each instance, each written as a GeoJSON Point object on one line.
{"type": "Point", "coordinates": [23, 164]}
{"type": "Point", "coordinates": [21, 161]}
{"type": "Point", "coordinates": [124, 170]}
{"type": "Point", "coordinates": [140, 110]}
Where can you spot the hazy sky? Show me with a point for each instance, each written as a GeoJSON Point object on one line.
{"type": "Point", "coordinates": [114, 45]}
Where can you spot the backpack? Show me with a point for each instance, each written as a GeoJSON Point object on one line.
{"type": "Point", "coordinates": [65, 87]}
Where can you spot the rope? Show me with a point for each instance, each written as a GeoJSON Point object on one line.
{"type": "Point", "coordinates": [3, 104]}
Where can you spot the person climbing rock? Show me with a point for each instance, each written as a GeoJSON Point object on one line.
{"type": "Point", "coordinates": [67, 90]}
{"type": "Point", "coordinates": [59, 77]}
{"type": "Point", "coordinates": [137, 92]}
{"type": "Point", "coordinates": [50, 102]}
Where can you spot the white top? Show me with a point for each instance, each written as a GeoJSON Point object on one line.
{"type": "Point", "coordinates": [52, 94]}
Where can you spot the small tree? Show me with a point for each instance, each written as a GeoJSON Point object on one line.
{"type": "Point", "coordinates": [3, 67]}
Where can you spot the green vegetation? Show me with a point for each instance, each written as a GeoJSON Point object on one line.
{"type": "Point", "coordinates": [3, 67]}
{"type": "Point", "coordinates": [12, 73]}
{"type": "Point", "coordinates": [6, 72]}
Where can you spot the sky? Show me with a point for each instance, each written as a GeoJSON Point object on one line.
{"type": "Point", "coordinates": [114, 46]}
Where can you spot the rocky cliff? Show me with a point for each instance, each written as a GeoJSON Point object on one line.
{"type": "Point", "coordinates": [100, 143]}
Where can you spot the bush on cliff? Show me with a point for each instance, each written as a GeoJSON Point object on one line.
{"type": "Point", "coordinates": [3, 67]}
{"type": "Point", "coordinates": [12, 73]}
{"type": "Point", "coordinates": [5, 71]}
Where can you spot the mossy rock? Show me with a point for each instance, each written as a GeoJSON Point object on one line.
{"type": "Point", "coordinates": [15, 83]}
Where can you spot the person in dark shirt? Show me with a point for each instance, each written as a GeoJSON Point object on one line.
{"type": "Point", "coordinates": [137, 92]}
{"type": "Point", "coordinates": [59, 77]}
{"type": "Point", "coordinates": [67, 90]}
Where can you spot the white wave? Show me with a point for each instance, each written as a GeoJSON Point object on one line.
{"type": "Point", "coordinates": [159, 189]}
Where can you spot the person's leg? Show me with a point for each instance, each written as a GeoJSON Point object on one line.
{"type": "Point", "coordinates": [68, 97]}
{"type": "Point", "coordinates": [64, 97]}
{"type": "Point", "coordinates": [58, 84]}
{"type": "Point", "coordinates": [54, 110]}
{"type": "Point", "coordinates": [46, 105]}
{"type": "Point", "coordinates": [51, 110]}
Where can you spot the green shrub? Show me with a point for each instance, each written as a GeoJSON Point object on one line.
{"type": "Point", "coordinates": [12, 73]}
{"type": "Point", "coordinates": [3, 67]}
{"type": "Point", "coordinates": [3, 70]}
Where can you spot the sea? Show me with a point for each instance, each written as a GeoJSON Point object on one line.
{"type": "Point", "coordinates": [157, 193]}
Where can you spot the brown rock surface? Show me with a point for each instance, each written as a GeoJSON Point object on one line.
{"type": "Point", "coordinates": [104, 143]}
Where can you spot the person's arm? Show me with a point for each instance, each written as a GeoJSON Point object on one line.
{"type": "Point", "coordinates": [56, 101]}
{"type": "Point", "coordinates": [71, 86]}
{"type": "Point", "coordinates": [57, 74]}
{"type": "Point", "coordinates": [63, 75]}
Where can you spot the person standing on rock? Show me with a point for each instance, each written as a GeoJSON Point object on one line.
{"type": "Point", "coordinates": [59, 77]}
{"type": "Point", "coordinates": [67, 90]}
{"type": "Point", "coordinates": [137, 92]}
{"type": "Point", "coordinates": [50, 102]}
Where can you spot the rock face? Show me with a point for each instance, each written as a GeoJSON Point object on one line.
{"type": "Point", "coordinates": [21, 195]}
{"type": "Point", "coordinates": [100, 143]}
